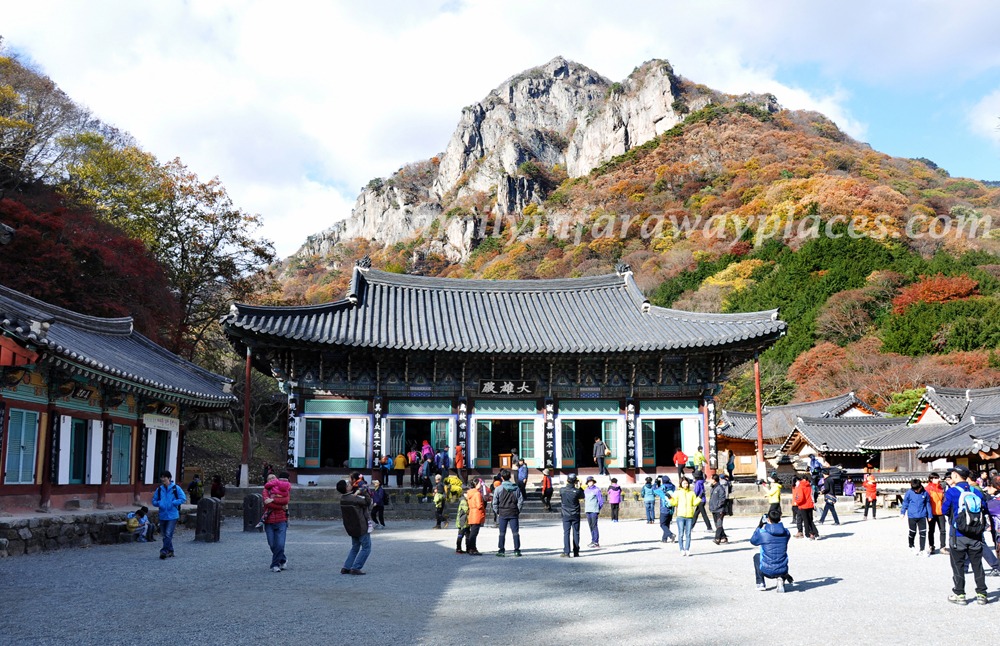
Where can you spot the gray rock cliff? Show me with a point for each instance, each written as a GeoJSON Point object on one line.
{"type": "Point", "coordinates": [561, 113]}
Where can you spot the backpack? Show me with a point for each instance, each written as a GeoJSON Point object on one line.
{"type": "Point", "coordinates": [132, 523]}
{"type": "Point", "coordinates": [970, 519]}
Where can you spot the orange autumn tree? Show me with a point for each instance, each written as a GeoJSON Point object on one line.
{"type": "Point", "coordinates": [936, 289]}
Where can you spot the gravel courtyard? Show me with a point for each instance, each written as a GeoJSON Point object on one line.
{"type": "Point", "coordinates": [857, 584]}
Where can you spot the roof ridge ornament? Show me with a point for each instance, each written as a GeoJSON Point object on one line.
{"type": "Point", "coordinates": [622, 268]}
{"type": "Point", "coordinates": [365, 262]}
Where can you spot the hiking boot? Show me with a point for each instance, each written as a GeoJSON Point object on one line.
{"type": "Point", "coordinates": [501, 554]}
{"type": "Point", "coordinates": [344, 570]}
{"type": "Point", "coordinates": [358, 572]}
{"type": "Point", "coordinates": [957, 599]}
{"type": "Point", "coordinates": [576, 554]}
{"type": "Point", "coordinates": [761, 587]}
{"type": "Point", "coordinates": [781, 585]}
{"type": "Point", "coordinates": [981, 599]}
{"type": "Point", "coordinates": [284, 565]}
{"type": "Point", "coordinates": [459, 551]}
{"type": "Point", "coordinates": [517, 552]}
{"type": "Point", "coordinates": [564, 555]}
{"type": "Point", "coordinates": [276, 568]}
{"type": "Point", "coordinates": [163, 555]}
{"type": "Point", "coordinates": [788, 579]}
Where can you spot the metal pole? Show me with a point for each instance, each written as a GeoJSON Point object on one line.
{"type": "Point", "coordinates": [245, 461]}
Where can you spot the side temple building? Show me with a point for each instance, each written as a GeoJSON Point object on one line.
{"type": "Point", "coordinates": [541, 367]}
{"type": "Point", "coordinates": [91, 410]}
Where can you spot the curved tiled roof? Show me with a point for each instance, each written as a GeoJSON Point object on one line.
{"type": "Point", "coordinates": [780, 420]}
{"type": "Point", "coordinates": [571, 315]}
{"type": "Point", "coordinates": [973, 434]}
{"type": "Point", "coordinates": [955, 403]}
{"type": "Point", "coordinates": [109, 350]}
{"type": "Point", "coordinates": [842, 434]}
{"type": "Point", "coordinates": [908, 437]}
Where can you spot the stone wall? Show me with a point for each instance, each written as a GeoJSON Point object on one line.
{"type": "Point", "coordinates": [42, 534]}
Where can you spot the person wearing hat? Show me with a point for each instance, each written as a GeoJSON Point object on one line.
{"type": "Point", "coordinates": [963, 547]}
{"type": "Point", "coordinates": [569, 505]}
{"type": "Point", "coordinates": [547, 489]}
{"type": "Point", "coordinates": [593, 501]}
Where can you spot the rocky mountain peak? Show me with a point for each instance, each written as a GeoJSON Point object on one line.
{"type": "Point", "coordinates": [559, 115]}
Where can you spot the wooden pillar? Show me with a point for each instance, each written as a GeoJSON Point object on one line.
{"type": "Point", "coordinates": [139, 457]}
{"type": "Point", "coordinates": [51, 440]}
{"type": "Point", "coordinates": [245, 460]}
{"type": "Point", "coordinates": [102, 489]}
{"type": "Point", "coordinates": [761, 466]}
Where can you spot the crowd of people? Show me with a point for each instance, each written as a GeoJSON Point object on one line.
{"type": "Point", "coordinates": [955, 515]}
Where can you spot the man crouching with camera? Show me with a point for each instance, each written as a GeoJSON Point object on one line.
{"type": "Point", "coordinates": [772, 560]}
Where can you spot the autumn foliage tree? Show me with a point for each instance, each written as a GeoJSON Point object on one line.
{"type": "Point", "coordinates": [69, 258]}
{"type": "Point", "coordinates": [936, 289]}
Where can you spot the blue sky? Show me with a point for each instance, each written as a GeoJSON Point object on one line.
{"type": "Point", "coordinates": [295, 106]}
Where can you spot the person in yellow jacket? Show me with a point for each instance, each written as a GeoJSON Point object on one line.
{"type": "Point", "coordinates": [686, 502]}
{"type": "Point", "coordinates": [774, 493]}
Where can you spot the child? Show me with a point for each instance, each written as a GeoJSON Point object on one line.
{"type": "Point", "coordinates": [273, 486]}
{"type": "Point", "coordinates": [462, 521]}
{"type": "Point", "coordinates": [614, 499]}
{"type": "Point", "coordinates": [138, 523]}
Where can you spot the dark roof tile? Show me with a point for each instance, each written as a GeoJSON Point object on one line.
{"type": "Point", "coordinates": [573, 315]}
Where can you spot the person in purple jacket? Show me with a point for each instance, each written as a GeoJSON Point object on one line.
{"type": "Point", "coordinates": [699, 491]}
{"type": "Point", "coordinates": [614, 499]}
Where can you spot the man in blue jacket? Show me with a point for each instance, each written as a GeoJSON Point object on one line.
{"type": "Point", "coordinates": [168, 498]}
{"type": "Point", "coordinates": [772, 560]}
{"type": "Point", "coordinates": [522, 478]}
{"type": "Point", "coordinates": [963, 547]}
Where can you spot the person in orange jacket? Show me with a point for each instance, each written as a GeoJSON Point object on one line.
{"type": "Point", "coordinates": [936, 493]}
{"type": "Point", "coordinates": [803, 499]}
{"type": "Point", "coordinates": [459, 459]}
{"type": "Point", "coordinates": [680, 461]}
{"type": "Point", "coordinates": [871, 494]}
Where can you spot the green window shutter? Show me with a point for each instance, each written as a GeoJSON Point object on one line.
{"type": "Point", "coordinates": [526, 429]}
{"type": "Point", "coordinates": [439, 433]}
{"type": "Point", "coordinates": [648, 443]}
{"type": "Point", "coordinates": [610, 437]}
{"type": "Point", "coordinates": [121, 454]}
{"type": "Point", "coordinates": [569, 443]}
{"type": "Point", "coordinates": [313, 428]}
{"type": "Point", "coordinates": [669, 407]}
{"type": "Point", "coordinates": [22, 438]}
{"type": "Point", "coordinates": [484, 446]}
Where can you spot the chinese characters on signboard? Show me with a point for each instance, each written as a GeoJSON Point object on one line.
{"type": "Point", "coordinates": [630, 433]}
{"type": "Point", "coordinates": [463, 425]}
{"type": "Point", "coordinates": [376, 430]}
{"type": "Point", "coordinates": [292, 408]}
{"type": "Point", "coordinates": [550, 433]}
{"type": "Point", "coordinates": [506, 387]}
{"type": "Point", "coordinates": [713, 459]}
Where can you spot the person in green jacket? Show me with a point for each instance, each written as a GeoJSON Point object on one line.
{"type": "Point", "coordinates": [462, 522]}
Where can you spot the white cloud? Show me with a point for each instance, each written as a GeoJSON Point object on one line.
{"type": "Point", "coordinates": [984, 117]}
{"type": "Point", "coordinates": [296, 106]}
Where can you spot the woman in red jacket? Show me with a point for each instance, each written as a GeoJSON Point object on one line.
{"type": "Point", "coordinates": [803, 499]}
{"type": "Point", "coordinates": [871, 494]}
